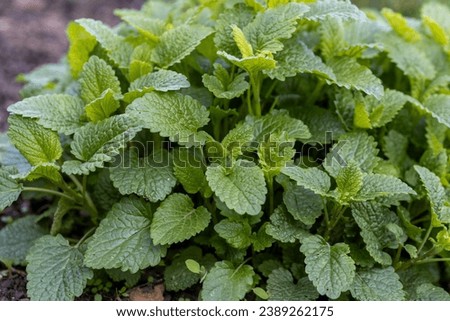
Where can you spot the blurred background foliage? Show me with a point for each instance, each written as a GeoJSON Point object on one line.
{"type": "Point", "coordinates": [407, 7]}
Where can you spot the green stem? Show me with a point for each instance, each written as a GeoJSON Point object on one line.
{"type": "Point", "coordinates": [85, 236]}
{"type": "Point", "coordinates": [77, 183]}
{"type": "Point", "coordinates": [249, 103]}
{"type": "Point", "coordinates": [256, 94]}
{"type": "Point", "coordinates": [316, 93]}
{"type": "Point", "coordinates": [48, 191]}
{"type": "Point", "coordinates": [432, 260]}
{"type": "Point", "coordinates": [269, 179]}
{"type": "Point", "coordinates": [427, 235]}
{"type": "Point", "coordinates": [325, 210]}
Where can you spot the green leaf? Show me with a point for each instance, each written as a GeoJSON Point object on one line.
{"type": "Point", "coordinates": [177, 276]}
{"type": "Point", "coordinates": [177, 220]}
{"type": "Point", "coordinates": [430, 292]}
{"type": "Point", "coordinates": [284, 228]}
{"type": "Point", "coordinates": [304, 205]}
{"type": "Point", "coordinates": [435, 193]}
{"type": "Point", "coordinates": [439, 107]}
{"type": "Point", "coordinates": [241, 187]}
{"type": "Point", "coordinates": [123, 239]}
{"type": "Point", "coordinates": [252, 64]}
{"type": "Point", "coordinates": [224, 282]}
{"type": "Point", "coordinates": [48, 171]}
{"type": "Point", "coordinates": [149, 27]}
{"type": "Point", "coordinates": [349, 182]}
{"type": "Point", "coordinates": [237, 234]}
{"type": "Point", "coordinates": [187, 115]}
{"type": "Point", "coordinates": [102, 107]}
{"type": "Point", "coordinates": [237, 139]}
{"type": "Point", "coordinates": [223, 86]}
{"type": "Point", "coordinates": [241, 42]}
{"type": "Point", "coordinates": [177, 43]}
{"type": "Point", "coordinates": [281, 287]}
{"type": "Point", "coordinates": [189, 170]}
{"type": "Point", "coordinates": [342, 9]}
{"type": "Point", "coordinates": [10, 158]}
{"type": "Point", "coordinates": [357, 147]}
{"type": "Point", "coordinates": [9, 189]}
{"type": "Point", "coordinates": [329, 267]}
{"type": "Point", "coordinates": [378, 185]}
{"type": "Point", "coordinates": [82, 43]}
{"type": "Point", "coordinates": [400, 25]}
{"type": "Point", "coordinates": [17, 238]}
{"type": "Point", "coordinates": [161, 80]}
{"type": "Point", "coordinates": [55, 270]}
{"type": "Point", "coordinates": [323, 124]}
{"type": "Point", "coordinates": [97, 143]}
{"type": "Point", "coordinates": [60, 112]}
{"type": "Point", "coordinates": [150, 177]}
{"type": "Point", "coordinates": [352, 75]}
{"type": "Point", "coordinates": [131, 279]}
{"type": "Point", "coordinates": [312, 179]}
{"type": "Point", "coordinates": [36, 143]}
{"type": "Point", "coordinates": [377, 285]}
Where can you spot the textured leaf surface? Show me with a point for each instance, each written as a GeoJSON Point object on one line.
{"type": "Point", "coordinates": [55, 270]}
{"type": "Point", "coordinates": [9, 189]}
{"type": "Point", "coordinates": [171, 114]}
{"type": "Point", "coordinates": [430, 292]}
{"type": "Point", "coordinates": [176, 220]}
{"type": "Point", "coordinates": [303, 204]}
{"type": "Point", "coordinates": [349, 182]}
{"type": "Point", "coordinates": [60, 112]}
{"type": "Point", "coordinates": [151, 177]}
{"type": "Point", "coordinates": [223, 86]}
{"type": "Point", "coordinates": [281, 287]}
{"type": "Point", "coordinates": [439, 106]}
{"type": "Point", "coordinates": [36, 143]}
{"type": "Point", "coordinates": [284, 228]}
{"type": "Point", "coordinates": [242, 187]}
{"type": "Point", "coordinates": [324, 9]}
{"type": "Point", "coordinates": [226, 283]}
{"type": "Point", "coordinates": [17, 238]}
{"type": "Point", "coordinates": [177, 276]}
{"type": "Point", "coordinates": [313, 178]}
{"type": "Point", "coordinates": [377, 285]}
{"type": "Point", "coordinates": [188, 169]}
{"type": "Point", "coordinates": [237, 234]}
{"type": "Point", "coordinates": [329, 267]}
{"type": "Point", "coordinates": [81, 45]}
{"type": "Point", "coordinates": [123, 239]}
{"type": "Point", "coordinates": [378, 185]}
{"type": "Point", "coordinates": [251, 64]}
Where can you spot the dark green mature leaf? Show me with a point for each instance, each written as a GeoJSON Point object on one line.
{"type": "Point", "coordinates": [378, 185]}
{"type": "Point", "coordinates": [281, 287]}
{"type": "Point", "coordinates": [237, 234]}
{"type": "Point", "coordinates": [313, 178]}
{"type": "Point", "coordinates": [342, 9]}
{"type": "Point", "coordinates": [303, 204]}
{"type": "Point", "coordinates": [284, 228]}
{"type": "Point", "coordinates": [123, 239]}
{"type": "Point", "coordinates": [177, 276]}
{"type": "Point", "coordinates": [377, 285]}
{"type": "Point", "coordinates": [55, 270]}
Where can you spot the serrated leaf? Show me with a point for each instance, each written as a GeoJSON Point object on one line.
{"type": "Point", "coordinates": [177, 276]}
{"type": "Point", "coordinates": [349, 182]}
{"type": "Point", "coordinates": [36, 143]}
{"type": "Point", "coordinates": [377, 285]}
{"type": "Point", "coordinates": [48, 171]}
{"type": "Point", "coordinates": [149, 27]}
{"type": "Point", "coordinates": [55, 270]}
{"type": "Point", "coordinates": [59, 112]}
{"type": "Point", "coordinates": [10, 158]}
{"type": "Point", "coordinates": [187, 115]}
{"type": "Point", "coordinates": [430, 292]}
{"type": "Point", "coordinates": [379, 185]}
{"type": "Point", "coordinates": [177, 220]}
{"type": "Point", "coordinates": [177, 43]}
{"type": "Point", "coordinates": [439, 106]}
{"type": "Point", "coordinates": [150, 177]}
{"type": "Point", "coordinates": [439, 12]}
{"type": "Point", "coordinates": [284, 228]}
{"type": "Point", "coordinates": [281, 287]}
{"type": "Point", "coordinates": [357, 147]}
{"type": "Point", "coordinates": [102, 107]}
{"type": "Point", "coordinates": [81, 45]}
{"type": "Point", "coordinates": [242, 187]}
{"type": "Point", "coordinates": [223, 86]}
{"type": "Point", "coordinates": [161, 80]}
{"type": "Point", "coordinates": [261, 240]}
{"type": "Point", "coordinates": [224, 282]}
{"type": "Point", "coordinates": [329, 267]}
{"type": "Point", "coordinates": [105, 195]}
{"type": "Point", "coordinates": [237, 139]}
{"type": "Point", "coordinates": [9, 189]}
{"type": "Point", "coordinates": [17, 238]}
{"type": "Point", "coordinates": [97, 143]}
{"type": "Point", "coordinates": [313, 178]}
{"type": "Point", "coordinates": [303, 204]}
{"type": "Point", "coordinates": [252, 64]}
{"type": "Point", "coordinates": [342, 9]}
{"type": "Point", "coordinates": [241, 42]}
{"type": "Point", "coordinates": [237, 234]}
{"type": "Point", "coordinates": [435, 193]}
{"type": "Point", "coordinates": [323, 124]}
{"type": "Point", "coordinates": [352, 75]}
{"type": "Point", "coordinates": [123, 239]}
{"type": "Point", "coordinates": [189, 170]}
{"type": "Point", "coordinates": [400, 25]}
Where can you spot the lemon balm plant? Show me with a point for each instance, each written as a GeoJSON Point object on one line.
{"type": "Point", "coordinates": [290, 150]}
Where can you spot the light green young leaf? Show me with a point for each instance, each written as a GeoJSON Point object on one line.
{"type": "Point", "coordinates": [357, 147]}
{"type": "Point", "coordinates": [150, 28]}
{"type": "Point", "coordinates": [241, 187]}
{"type": "Point", "coordinates": [329, 267]}
{"type": "Point", "coordinates": [189, 170]}
{"type": "Point", "coordinates": [177, 43]}
{"type": "Point", "coordinates": [161, 80]}
{"type": "Point", "coordinates": [177, 276]}
{"type": "Point", "coordinates": [49, 171]}
{"type": "Point", "coordinates": [237, 234]}
{"type": "Point", "coordinates": [253, 64]}
{"type": "Point", "coordinates": [123, 239]}
{"type": "Point", "coordinates": [17, 238]}
{"type": "Point", "coordinates": [284, 228]}
{"type": "Point", "coordinates": [82, 43]}
{"type": "Point", "coordinates": [324, 9]}
{"type": "Point", "coordinates": [400, 25]}
{"type": "Point", "coordinates": [281, 287]}
{"type": "Point", "coordinates": [170, 114]}
{"type": "Point", "coordinates": [55, 270]}
{"type": "Point", "coordinates": [36, 143]}
{"type": "Point", "coordinates": [177, 220]}
{"type": "Point", "coordinates": [439, 107]}
{"type": "Point", "coordinates": [313, 178]}
{"type": "Point", "coordinates": [378, 284]}
{"type": "Point", "coordinates": [97, 143]}
{"type": "Point", "coordinates": [349, 182]}
{"type": "Point", "coordinates": [241, 42]}
{"type": "Point", "coordinates": [59, 112]}
{"type": "Point", "coordinates": [378, 185]}
{"type": "Point", "coordinates": [150, 177]}
{"type": "Point", "coordinates": [304, 205]}
{"type": "Point", "coordinates": [221, 84]}
{"type": "Point", "coordinates": [9, 189]}
{"type": "Point", "coordinates": [224, 282]}
{"type": "Point", "coordinates": [102, 107]}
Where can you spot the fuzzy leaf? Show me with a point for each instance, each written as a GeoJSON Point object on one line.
{"type": "Point", "coordinates": [36, 143]}
{"type": "Point", "coordinates": [226, 283]}
{"type": "Point", "coordinates": [312, 178]}
{"type": "Point", "coordinates": [188, 169]}
{"type": "Point", "coordinates": [9, 189]}
{"type": "Point", "coordinates": [377, 285]}
{"type": "Point", "coordinates": [349, 182]}
{"type": "Point", "coordinates": [281, 287]}
{"type": "Point", "coordinates": [378, 185]}
{"type": "Point", "coordinates": [221, 84]}
{"type": "Point", "coordinates": [237, 234]}
{"type": "Point", "coordinates": [170, 114]}
{"type": "Point", "coordinates": [177, 220]}
{"type": "Point", "coordinates": [55, 270]}
{"type": "Point", "coordinates": [242, 187]}
{"type": "Point", "coordinates": [123, 239]}
{"type": "Point", "coordinates": [60, 112]}
{"type": "Point", "coordinates": [439, 106]}
{"type": "Point", "coordinates": [430, 292]}
{"type": "Point", "coordinates": [304, 205]}
{"type": "Point", "coordinates": [284, 228]}
{"type": "Point", "coordinates": [17, 238]}
{"type": "Point", "coordinates": [177, 276]}
{"type": "Point", "coordinates": [342, 9]}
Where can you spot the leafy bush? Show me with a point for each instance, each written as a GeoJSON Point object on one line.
{"type": "Point", "coordinates": [285, 150]}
